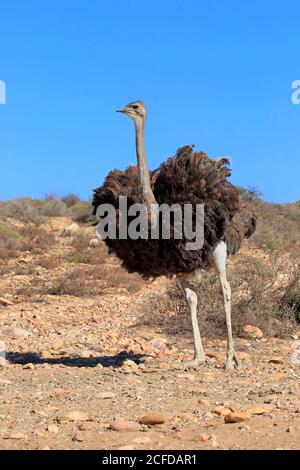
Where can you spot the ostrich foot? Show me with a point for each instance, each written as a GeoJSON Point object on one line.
{"type": "Point", "coordinates": [194, 363]}
{"type": "Point", "coordinates": [232, 361]}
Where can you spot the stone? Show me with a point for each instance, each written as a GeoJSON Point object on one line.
{"type": "Point", "coordinates": [156, 417]}
{"type": "Point", "coordinates": [204, 438]}
{"type": "Point", "coordinates": [257, 410]}
{"type": "Point", "coordinates": [6, 302]}
{"type": "Point", "coordinates": [3, 362]}
{"type": "Point", "coordinates": [29, 365]}
{"type": "Point", "coordinates": [52, 428]}
{"type": "Point", "coordinates": [276, 360]}
{"type": "Point", "coordinates": [78, 437]}
{"type": "Point", "coordinates": [74, 415]}
{"type": "Point", "coordinates": [130, 363]}
{"type": "Point", "coordinates": [105, 395]}
{"type": "Point", "coordinates": [86, 426]}
{"type": "Point", "coordinates": [203, 402]}
{"type": "Point", "coordinates": [16, 436]}
{"type": "Point", "coordinates": [70, 230]}
{"type": "Point", "coordinates": [221, 411]}
{"type": "Point", "coordinates": [57, 345]}
{"type": "Point", "coordinates": [243, 356]}
{"type": "Point", "coordinates": [252, 332]}
{"type": "Point", "coordinates": [237, 417]}
{"type": "Point", "coordinates": [120, 424]}
{"type": "Point", "coordinates": [16, 333]}
{"type": "Point", "coordinates": [94, 242]}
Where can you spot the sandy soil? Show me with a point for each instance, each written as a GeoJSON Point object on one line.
{"type": "Point", "coordinates": [94, 356]}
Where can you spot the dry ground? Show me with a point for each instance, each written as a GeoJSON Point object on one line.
{"type": "Point", "coordinates": [78, 352]}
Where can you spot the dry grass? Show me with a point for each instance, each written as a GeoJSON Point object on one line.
{"type": "Point", "coordinates": [259, 298]}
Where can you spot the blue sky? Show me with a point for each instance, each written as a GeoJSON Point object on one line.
{"type": "Point", "coordinates": [216, 74]}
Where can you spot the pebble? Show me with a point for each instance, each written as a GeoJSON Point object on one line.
{"type": "Point", "coordinates": [156, 417]}
{"type": "Point", "coordinates": [236, 417]}
{"type": "Point", "coordinates": [105, 395]}
{"type": "Point", "coordinates": [130, 363]}
{"type": "Point", "coordinates": [253, 332]}
{"type": "Point", "coordinates": [204, 438]}
{"type": "Point", "coordinates": [16, 333]}
{"type": "Point", "coordinates": [52, 428]}
{"type": "Point", "coordinates": [86, 426]}
{"type": "Point", "coordinates": [78, 436]}
{"type": "Point", "coordinates": [203, 402]}
{"type": "Point", "coordinates": [257, 410]}
{"type": "Point", "coordinates": [276, 360]}
{"type": "Point", "coordinates": [3, 362]}
{"type": "Point", "coordinates": [221, 411]}
{"type": "Point", "coordinates": [29, 365]}
{"type": "Point", "coordinates": [5, 302]}
{"type": "Point", "coordinates": [73, 416]}
{"type": "Point", "coordinates": [16, 436]}
{"type": "Point", "coordinates": [120, 424]}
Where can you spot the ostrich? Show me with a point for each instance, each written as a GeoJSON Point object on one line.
{"type": "Point", "coordinates": [189, 177]}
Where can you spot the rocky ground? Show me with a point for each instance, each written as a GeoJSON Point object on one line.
{"type": "Point", "coordinates": [86, 373]}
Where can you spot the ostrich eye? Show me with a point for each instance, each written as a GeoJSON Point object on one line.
{"type": "Point", "coordinates": [135, 106]}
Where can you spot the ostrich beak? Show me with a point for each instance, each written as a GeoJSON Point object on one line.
{"type": "Point", "coordinates": [122, 110]}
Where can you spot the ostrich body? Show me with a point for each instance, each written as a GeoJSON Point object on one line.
{"type": "Point", "coordinates": [188, 178]}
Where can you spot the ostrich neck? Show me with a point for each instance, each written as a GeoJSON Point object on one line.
{"type": "Point", "coordinates": [144, 176]}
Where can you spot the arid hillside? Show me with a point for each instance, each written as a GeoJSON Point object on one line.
{"type": "Point", "coordinates": [87, 349]}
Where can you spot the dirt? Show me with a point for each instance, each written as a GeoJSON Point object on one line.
{"type": "Point", "coordinates": [87, 361]}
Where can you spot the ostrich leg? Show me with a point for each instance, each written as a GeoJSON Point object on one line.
{"type": "Point", "coordinates": [191, 301]}
{"type": "Point", "coordinates": [219, 261]}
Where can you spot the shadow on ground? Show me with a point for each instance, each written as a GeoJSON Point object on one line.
{"type": "Point", "coordinates": [69, 361]}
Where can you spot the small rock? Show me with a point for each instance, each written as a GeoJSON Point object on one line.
{"type": "Point", "coordinates": [5, 381]}
{"type": "Point", "coordinates": [70, 230]}
{"type": "Point", "coordinates": [52, 428]}
{"type": "Point", "coordinates": [120, 424]}
{"type": "Point", "coordinates": [29, 365]}
{"type": "Point", "coordinates": [73, 416]}
{"type": "Point", "coordinates": [3, 362]}
{"type": "Point", "coordinates": [86, 354]}
{"type": "Point", "coordinates": [156, 417]}
{"type": "Point", "coordinates": [203, 402]}
{"type": "Point", "coordinates": [204, 438]}
{"type": "Point", "coordinates": [243, 356]}
{"type": "Point", "coordinates": [221, 411]}
{"type": "Point", "coordinates": [276, 360]}
{"type": "Point", "coordinates": [15, 333]}
{"type": "Point", "coordinates": [105, 395]}
{"type": "Point", "coordinates": [290, 430]}
{"type": "Point", "coordinates": [78, 436]}
{"type": "Point", "coordinates": [86, 426]}
{"type": "Point", "coordinates": [253, 332]}
{"type": "Point", "coordinates": [16, 436]}
{"type": "Point", "coordinates": [57, 345]}
{"type": "Point", "coordinates": [5, 302]}
{"type": "Point", "coordinates": [236, 417]}
{"type": "Point", "coordinates": [257, 410]}
{"type": "Point", "coordinates": [94, 242]}
{"type": "Point", "coordinates": [130, 363]}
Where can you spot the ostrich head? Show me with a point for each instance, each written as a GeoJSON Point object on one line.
{"type": "Point", "coordinates": [135, 110]}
